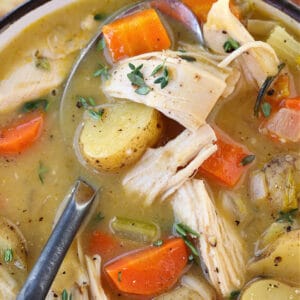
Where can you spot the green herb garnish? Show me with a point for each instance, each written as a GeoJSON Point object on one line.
{"type": "Point", "coordinates": [158, 243]}
{"type": "Point", "coordinates": [120, 276]}
{"type": "Point", "coordinates": [98, 217]}
{"type": "Point", "coordinates": [8, 255]}
{"type": "Point", "coordinates": [137, 79]}
{"type": "Point", "coordinates": [264, 88]}
{"type": "Point", "coordinates": [186, 232]}
{"type": "Point", "coordinates": [96, 115]}
{"type": "Point", "coordinates": [99, 17]}
{"type": "Point", "coordinates": [163, 80]}
{"type": "Point", "coordinates": [101, 44]}
{"type": "Point", "coordinates": [42, 170]}
{"type": "Point", "coordinates": [42, 63]}
{"type": "Point", "coordinates": [102, 71]}
{"type": "Point", "coordinates": [65, 296]}
{"type": "Point", "coordinates": [234, 295]}
{"type": "Point", "coordinates": [247, 159]}
{"type": "Point", "coordinates": [36, 104]}
{"type": "Point", "coordinates": [287, 216]}
{"type": "Point", "coordinates": [85, 102]}
{"type": "Point", "coordinates": [188, 58]}
{"type": "Point", "coordinates": [230, 45]}
{"type": "Point", "coordinates": [266, 109]}
{"type": "Point", "coordinates": [157, 69]}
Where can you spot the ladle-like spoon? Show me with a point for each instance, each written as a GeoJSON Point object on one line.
{"type": "Point", "coordinates": [45, 269]}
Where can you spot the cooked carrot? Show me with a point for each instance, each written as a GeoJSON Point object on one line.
{"type": "Point", "coordinates": [103, 244]}
{"type": "Point", "coordinates": [225, 166]}
{"type": "Point", "coordinates": [21, 134]}
{"type": "Point", "coordinates": [149, 271]}
{"type": "Point", "coordinates": [293, 103]}
{"type": "Point", "coordinates": [201, 8]}
{"type": "Point", "coordinates": [135, 34]}
{"type": "Point", "coordinates": [279, 91]}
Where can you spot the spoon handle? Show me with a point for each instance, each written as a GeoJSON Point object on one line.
{"type": "Point", "coordinates": [43, 273]}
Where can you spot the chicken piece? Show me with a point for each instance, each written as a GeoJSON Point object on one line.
{"type": "Point", "coordinates": [194, 85]}
{"type": "Point", "coordinates": [220, 246]}
{"type": "Point", "coordinates": [163, 170]}
{"type": "Point", "coordinates": [260, 59]}
{"type": "Point", "coordinates": [8, 285]}
{"type": "Point", "coordinates": [94, 271]}
{"type": "Point", "coordinates": [285, 125]}
{"type": "Point", "coordinates": [28, 82]}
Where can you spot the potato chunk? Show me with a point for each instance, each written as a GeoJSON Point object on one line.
{"type": "Point", "coordinates": [281, 259]}
{"type": "Point", "coordinates": [120, 137]}
{"type": "Point", "coordinates": [270, 289]}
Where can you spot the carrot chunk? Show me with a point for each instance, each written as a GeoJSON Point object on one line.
{"type": "Point", "coordinates": [201, 8]}
{"type": "Point", "coordinates": [293, 103]}
{"type": "Point", "coordinates": [22, 134]}
{"type": "Point", "coordinates": [135, 34]}
{"type": "Point", "coordinates": [225, 165]}
{"type": "Point", "coordinates": [149, 271]}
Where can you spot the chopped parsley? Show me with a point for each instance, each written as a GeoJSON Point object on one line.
{"type": "Point", "coordinates": [96, 114]}
{"type": "Point", "coordinates": [287, 216]}
{"type": "Point", "coordinates": [188, 58]}
{"type": "Point", "coordinates": [42, 170]}
{"type": "Point", "coordinates": [158, 243]}
{"type": "Point", "coordinates": [247, 160]}
{"type": "Point", "coordinates": [266, 109]}
{"type": "Point", "coordinates": [102, 71]}
{"type": "Point", "coordinates": [230, 45]}
{"type": "Point", "coordinates": [187, 234]}
{"type": "Point", "coordinates": [137, 79]}
{"type": "Point", "coordinates": [234, 295]}
{"type": "Point", "coordinates": [101, 44]}
{"type": "Point", "coordinates": [36, 104]}
{"type": "Point", "coordinates": [8, 255]}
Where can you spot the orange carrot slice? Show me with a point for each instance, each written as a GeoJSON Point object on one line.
{"type": "Point", "coordinates": [201, 8]}
{"type": "Point", "coordinates": [135, 34]}
{"type": "Point", "coordinates": [293, 103]}
{"type": "Point", "coordinates": [22, 134]}
{"type": "Point", "coordinates": [225, 165]}
{"type": "Point", "coordinates": [149, 271]}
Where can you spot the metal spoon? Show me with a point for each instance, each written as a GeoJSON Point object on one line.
{"type": "Point", "coordinates": [44, 271]}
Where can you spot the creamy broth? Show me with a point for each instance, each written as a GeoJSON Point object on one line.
{"type": "Point", "coordinates": [31, 201]}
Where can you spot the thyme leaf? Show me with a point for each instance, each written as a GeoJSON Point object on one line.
{"type": "Point", "coordinates": [102, 71]}
{"type": "Point", "coordinates": [188, 58]}
{"type": "Point", "coordinates": [230, 45]}
{"type": "Point", "coordinates": [287, 216]}
{"type": "Point", "coordinates": [36, 104]}
{"type": "Point", "coordinates": [42, 170]}
{"type": "Point", "coordinates": [247, 159]}
{"type": "Point", "coordinates": [264, 88]}
{"type": "Point", "coordinates": [266, 109]}
{"type": "Point", "coordinates": [96, 114]}
{"type": "Point", "coordinates": [8, 255]}
{"type": "Point", "coordinates": [158, 243]}
{"type": "Point", "coordinates": [137, 79]}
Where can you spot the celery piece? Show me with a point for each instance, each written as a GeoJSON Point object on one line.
{"type": "Point", "coordinates": [285, 46]}
{"type": "Point", "coordinates": [135, 230]}
{"type": "Point", "coordinates": [290, 198]}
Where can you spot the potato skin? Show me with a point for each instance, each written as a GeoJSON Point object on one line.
{"type": "Point", "coordinates": [121, 137]}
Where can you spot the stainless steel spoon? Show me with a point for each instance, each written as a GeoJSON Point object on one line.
{"type": "Point", "coordinates": [45, 269]}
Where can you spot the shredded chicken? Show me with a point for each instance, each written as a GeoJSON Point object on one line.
{"type": "Point", "coordinates": [221, 247]}
{"type": "Point", "coordinates": [180, 99]}
{"type": "Point", "coordinates": [163, 170]}
{"type": "Point", "coordinates": [222, 24]}
{"type": "Point", "coordinates": [94, 271]}
{"type": "Point", "coordinates": [8, 285]}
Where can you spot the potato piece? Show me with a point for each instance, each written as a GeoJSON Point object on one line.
{"type": "Point", "coordinates": [12, 242]}
{"type": "Point", "coordinates": [281, 259]}
{"type": "Point", "coordinates": [269, 289]}
{"type": "Point", "coordinates": [120, 137]}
